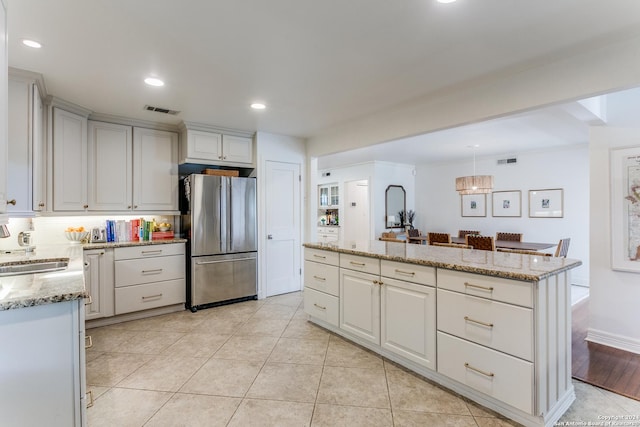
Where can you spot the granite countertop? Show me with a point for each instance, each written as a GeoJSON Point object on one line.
{"type": "Point", "coordinates": [531, 268]}
{"type": "Point", "coordinates": [28, 290]}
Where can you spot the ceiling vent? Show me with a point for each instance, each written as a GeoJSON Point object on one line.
{"type": "Point", "coordinates": [161, 110]}
{"type": "Point", "coordinates": [509, 161]}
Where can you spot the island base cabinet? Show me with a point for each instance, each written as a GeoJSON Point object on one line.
{"type": "Point", "coordinates": [495, 374]}
{"type": "Point", "coordinates": [408, 328]}
{"type": "Point", "coordinates": [360, 304]}
{"type": "Point", "coordinates": [321, 306]}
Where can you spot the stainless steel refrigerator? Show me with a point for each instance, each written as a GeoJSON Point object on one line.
{"type": "Point", "coordinates": [219, 220]}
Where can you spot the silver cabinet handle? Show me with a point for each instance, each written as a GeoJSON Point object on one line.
{"type": "Point", "coordinates": [157, 251]}
{"type": "Point", "coordinates": [408, 273]}
{"type": "Point", "coordinates": [319, 306]}
{"type": "Point", "coordinates": [90, 404]}
{"type": "Point", "coordinates": [224, 260]}
{"type": "Point", "coordinates": [90, 341]}
{"type": "Point", "coordinates": [319, 256]}
{"type": "Point", "coordinates": [468, 319]}
{"type": "Point", "coordinates": [359, 264]}
{"type": "Point", "coordinates": [154, 271]}
{"type": "Point", "coordinates": [320, 278]}
{"type": "Point", "coordinates": [89, 300]}
{"type": "Point", "coordinates": [484, 288]}
{"type": "Point", "coordinates": [480, 371]}
{"type": "Point", "coordinates": [151, 296]}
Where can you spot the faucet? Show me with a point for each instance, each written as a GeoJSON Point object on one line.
{"type": "Point", "coordinates": [4, 231]}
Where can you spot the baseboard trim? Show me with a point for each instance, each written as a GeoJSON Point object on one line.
{"type": "Point", "coordinates": [613, 340]}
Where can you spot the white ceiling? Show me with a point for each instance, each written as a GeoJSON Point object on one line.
{"type": "Point", "coordinates": [315, 63]}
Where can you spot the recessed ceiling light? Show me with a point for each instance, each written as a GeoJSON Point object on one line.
{"type": "Point", "coordinates": [446, 1]}
{"type": "Point", "coordinates": [258, 106]}
{"type": "Point", "coordinates": [152, 81]}
{"type": "Point", "coordinates": [31, 43]}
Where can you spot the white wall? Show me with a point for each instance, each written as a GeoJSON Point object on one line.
{"type": "Point", "coordinates": [438, 204]}
{"type": "Point", "coordinates": [280, 148]}
{"type": "Point", "coordinates": [613, 304]}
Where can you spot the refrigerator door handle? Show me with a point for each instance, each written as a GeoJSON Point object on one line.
{"type": "Point", "coordinates": [226, 260]}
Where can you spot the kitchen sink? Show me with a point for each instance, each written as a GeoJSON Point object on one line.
{"type": "Point", "coordinates": [30, 267]}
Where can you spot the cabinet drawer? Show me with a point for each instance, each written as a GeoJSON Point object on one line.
{"type": "Point", "coordinates": [137, 271]}
{"type": "Point", "coordinates": [149, 251]}
{"type": "Point", "coordinates": [321, 306]}
{"type": "Point", "coordinates": [504, 327]}
{"type": "Point", "coordinates": [150, 295]}
{"type": "Point", "coordinates": [325, 257]}
{"type": "Point", "coordinates": [322, 277]}
{"type": "Point", "coordinates": [496, 374]}
{"type": "Point", "coordinates": [408, 272]}
{"type": "Point", "coordinates": [495, 288]}
{"type": "Point", "coordinates": [328, 230]}
{"type": "Point", "coordinates": [360, 263]}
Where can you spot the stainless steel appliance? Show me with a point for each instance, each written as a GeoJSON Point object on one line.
{"type": "Point", "coordinates": [219, 220]}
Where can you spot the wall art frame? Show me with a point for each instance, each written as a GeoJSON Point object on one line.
{"type": "Point", "coordinates": [547, 203]}
{"type": "Point", "coordinates": [473, 205]}
{"type": "Point", "coordinates": [506, 203]}
{"type": "Point", "coordinates": [625, 209]}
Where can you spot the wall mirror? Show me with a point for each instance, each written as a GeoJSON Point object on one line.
{"type": "Point", "coordinates": [395, 202]}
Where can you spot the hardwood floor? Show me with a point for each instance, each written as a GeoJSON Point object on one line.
{"type": "Point", "coordinates": [606, 367]}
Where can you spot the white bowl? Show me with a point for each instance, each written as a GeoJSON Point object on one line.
{"type": "Point", "coordinates": [164, 228]}
{"type": "Point", "coordinates": [76, 236]}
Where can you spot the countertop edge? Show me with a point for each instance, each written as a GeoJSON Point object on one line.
{"type": "Point", "coordinates": [449, 266]}
{"type": "Point", "coordinates": [107, 245]}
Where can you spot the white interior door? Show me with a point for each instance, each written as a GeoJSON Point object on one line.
{"type": "Point", "coordinates": [355, 221]}
{"type": "Point", "coordinates": [282, 203]}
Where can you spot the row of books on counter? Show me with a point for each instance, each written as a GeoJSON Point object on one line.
{"type": "Point", "coordinates": [136, 230]}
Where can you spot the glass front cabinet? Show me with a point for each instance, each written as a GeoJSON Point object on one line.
{"type": "Point", "coordinates": [329, 195]}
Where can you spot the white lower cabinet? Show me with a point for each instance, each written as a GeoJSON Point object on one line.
{"type": "Point", "coordinates": [99, 283]}
{"type": "Point", "coordinates": [493, 373]}
{"type": "Point", "coordinates": [360, 304]}
{"type": "Point", "coordinates": [408, 313]}
{"type": "Point", "coordinates": [149, 277]}
{"type": "Point", "coordinates": [42, 371]}
{"type": "Point", "coordinates": [321, 306]}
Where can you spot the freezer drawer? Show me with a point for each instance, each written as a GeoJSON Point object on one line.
{"type": "Point", "coordinates": [222, 277]}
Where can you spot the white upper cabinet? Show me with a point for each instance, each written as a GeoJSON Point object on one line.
{"type": "Point", "coordinates": [69, 161]}
{"type": "Point", "coordinates": [25, 181]}
{"type": "Point", "coordinates": [110, 167]}
{"type": "Point", "coordinates": [3, 113]}
{"type": "Point", "coordinates": [202, 146]}
{"type": "Point", "coordinates": [155, 170]}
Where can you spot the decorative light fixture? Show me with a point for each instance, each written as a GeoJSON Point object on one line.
{"type": "Point", "coordinates": [475, 184]}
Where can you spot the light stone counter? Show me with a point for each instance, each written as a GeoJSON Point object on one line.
{"type": "Point", "coordinates": [530, 268]}
{"type": "Point", "coordinates": [34, 289]}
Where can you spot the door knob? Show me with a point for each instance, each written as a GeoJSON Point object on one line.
{"type": "Point", "coordinates": [270, 236]}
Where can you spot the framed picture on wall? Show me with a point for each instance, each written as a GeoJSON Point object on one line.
{"type": "Point", "coordinates": [625, 209]}
{"type": "Point", "coordinates": [474, 204]}
{"type": "Point", "coordinates": [546, 203]}
{"type": "Point", "coordinates": [507, 203]}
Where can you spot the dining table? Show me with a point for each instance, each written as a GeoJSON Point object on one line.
{"type": "Point", "coordinates": [503, 244]}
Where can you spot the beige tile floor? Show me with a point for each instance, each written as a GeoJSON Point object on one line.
{"type": "Point", "coordinates": [260, 363]}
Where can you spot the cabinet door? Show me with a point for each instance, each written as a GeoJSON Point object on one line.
{"type": "Point", "coordinates": [360, 304]}
{"type": "Point", "coordinates": [155, 170]}
{"type": "Point", "coordinates": [334, 195]}
{"type": "Point", "coordinates": [99, 282]}
{"type": "Point", "coordinates": [204, 145]}
{"type": "Point", "coordinates": [324, 196]}
{"type": "Point", "coordinates": [69, 161]}
{"type": "Point", "coordinates": [408, 314]}
{"type": "Point", "coordinates": [39, 155]}
{"type": "Point", "coordinates": [19, 164]}
{"type": "Point", "coordinates": [110, 150]}
{"type": "Point", "coordinates": [237, 149]}
{"type": "Point", "coordinates": [3, 112]}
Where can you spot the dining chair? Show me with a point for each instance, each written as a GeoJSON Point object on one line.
{"type": "Point", "coordinates": [414, 232]}
{"type": "Point", "coordinates": [563, 248]}
{"type": "Point", "coordinates": [482, 243]}
{"type": "Point", "coordinates": [452, 245]}
{"type": "Point", "coordinates": [524, 252]}
{"type": "Point", "coordinates": [439, 238]}
{"type": "Point", "coordinates": [463, 233]}
{"type": "Point", "coordinates": [512, 237]}
{"type": "Point", "coordinates": [391, 237]}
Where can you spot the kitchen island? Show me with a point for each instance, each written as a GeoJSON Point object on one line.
{"type": "Point", "coordinates": [492, 326]}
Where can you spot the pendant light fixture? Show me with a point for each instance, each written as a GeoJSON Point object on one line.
{"type": "Point", "coordinates": [475, 184]}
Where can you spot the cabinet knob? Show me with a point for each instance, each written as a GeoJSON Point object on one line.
{"type": "Point", "coordinates": [11, 202]}
{"type": "Point", "coordinates": [270, 236]}
{"type": "Point", "coordinates": [41, 204]}
{"type": "Point", "coordinates": [85, 206]}
{"type": "Point", "coordinates": [129, 207]}
{"type": "Point", "coordinates": [135, 206]}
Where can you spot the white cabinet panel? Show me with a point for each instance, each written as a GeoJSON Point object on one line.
{"type": "Point", "coordinates": [3, 112]}
{"type": "Point", "coordinates": [204, 145]}
{"type": "Point", "coordinates": [150, 295]}
{"type": "Point", "coordinates": [322, 306]}
{"type": "Point", "coordinates": [19, 183]}
{"type": "Point", "coordinates": [495, 288]}
{"type": "Point", "coordinates": [237, 149]}
{"type": "Point", "coordinates": [360, 304]}
{"type": "Point", "coordinates": [138, 271]}
{"type": "Point", "coordinates": [99, 282]}
{"type": "Point", "coordinates": [409, 321]}
{"type": "Point", "coordinates": [149, 251]}
{"type": "Point", "coordinates": [360, 263]}
{"type": "Point", "coordinates": [325, 257]}
{"type": "Point", "coordinates": [110, 150]}
{"type": "Point", "coordinates": [322, 277]}
{"type": "Point", "coordinates": [408, 272]}
{"type": "Point", "coordinates": [155, 170]}
{"type": "Point", "coordinates": [69, 161]}
{"type": "Point", "coordinates": [39, 153]}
